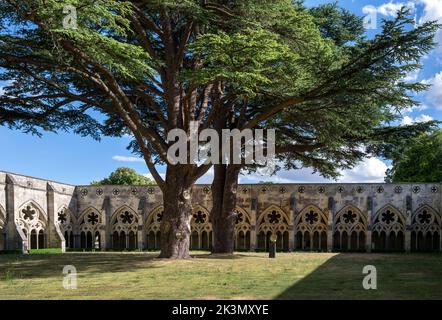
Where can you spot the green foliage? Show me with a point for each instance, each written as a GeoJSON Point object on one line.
{"type": "Point", "coordinates": [148, 67]}
{"type": "Point", "coordinates": [124, 176]}
{"type": "Point", "coordinates": [419, 160]}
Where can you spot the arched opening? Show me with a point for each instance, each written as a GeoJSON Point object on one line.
{"type": "Point", "coordinates": [323, 241]}
{"type": "Point", "coordinates": [285, 239]}
{"type": "Point", "coordinates": [115, 241]}
{"type": "Point", "coordinates": [354, 242]}
{"type": "Point", "coordinates": [194, 243]}
{"type": "Point", "coordinates": [316, 241]}
{"type": "Point", "coordinates": [262, 241]}
{"type": "Point", "coordinates": [123, 244]}
{"type": "Point", "coordinates": [132, 240]}
{"type": "Point", "coordinates": [89, 240]}
{"type": "Point", "coordinates": [361, 241]}
{"type": "Point", "coordinates": [69, 239]}
{"type": "Point", "coordinates": [413, 242]}
{"type": "Point", "coordinates": [298, 241]}
{"type": "Point", "coordinates": [153, 240]}
{"type": "Point", "coordinates": [344, 241]}
{"type": "Point", "coordinates": [205, 240]}
{"type": "Point", "coordinates": [307, 240]}
{"type": "Point", "coordinates": [83, 240]}
{"type": "Point", "coordinates": [337, 241]}
{"type": "Point", "coordinates": [41, 240]}
{"type": "Point", "coordinates": [240, 241]}
{"type": "Point", "coordinates": [428, 242]}
{"type": "Point", "coordinates": [34, 239]}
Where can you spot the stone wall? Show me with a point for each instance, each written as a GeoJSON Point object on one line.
{"type": "Point", "coordinates": [320, 217]}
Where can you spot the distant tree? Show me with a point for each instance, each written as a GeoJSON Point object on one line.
{"type": "Point", "coordinates": [419, 160]}
{"type": "Point", "coordinates": [124, 176]}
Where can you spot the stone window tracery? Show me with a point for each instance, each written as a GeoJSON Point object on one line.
{"type": "Point", "coordinates": [388, 230]}
{"type": "Point", "coordinates": [425, 229]}
{"type": "Point", "coordinates": [311, 229]}
{"type": "Point", "coordinates": [33, 222]}
{"type": "Point", "coordinates": [125, 229]}
{"type": "Point", "coordinates": [350, 229]}
{"type": "Point", "coordinates": [273, 221]}
{"type": "Point", "coordinates": [242, 229]}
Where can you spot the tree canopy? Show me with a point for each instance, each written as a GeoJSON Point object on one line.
{"type": "Point", "coordinates": [419, 160]}
{"type": "Point", "coordinates": [124, 176]}
{"type": "Point", "coordinates": [147, 67]}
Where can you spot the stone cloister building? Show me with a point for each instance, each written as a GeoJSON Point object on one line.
{"type": "Point", "coordinates": [36, 213]}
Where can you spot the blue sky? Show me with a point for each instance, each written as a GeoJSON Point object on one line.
{"type": "Point", "coordinates": [73, 159]}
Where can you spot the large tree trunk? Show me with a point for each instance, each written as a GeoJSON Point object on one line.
{"type": "Point", "coordinates": [224, 188]}
{"type": "Point", "coordinates": [175, 226]}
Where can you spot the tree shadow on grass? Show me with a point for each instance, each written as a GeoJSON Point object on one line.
{"type": "Point", "coordinates": [48, 265]}
{"type": "Point", "coordinates": [225, 256]}
{"type": "Point", "coordinates": [399, 276]}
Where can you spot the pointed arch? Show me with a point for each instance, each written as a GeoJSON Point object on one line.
{"type": "Point", "coordinates": [273, 221]}
{"type": "Point", "coordinates": [125, 222]}
{"type": "Point", "coordinates": [65, 218]}
{"type": "Point", "coordinates": [243, 229]}
{"type": "Point", "coordinates": [270, 209]}
{"type": "Point", "coordinates": [152, 228]}
{"type": "Point", "coordinates": [90, 220]}
{"type": "Point", "coordinates": [389, 219]}
{"type": "Point", "coordinates": [350, 227]}
{"type": "Point", "coordinates": [425, 229]}
{"type": "Point", "coordinates": [153, 219]}
{"type": "Point", "coordinates": [388, 229]}
{"type": "Point", "coordinates": [311, 229]}
{"type": "Point", "coordinates": [201, 228]}
{"type": "Point", "coordinates": [32, 220]}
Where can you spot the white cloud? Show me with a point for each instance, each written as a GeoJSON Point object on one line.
{"type": "Point", "coordinates": [127, 159]}
{"type": "Point", "coordinates": [389, 9]}
{"type": "Point", "coordinates": [421, 107]}
{"type": "Point", "coordinates": [407, 120]}
{"type": "Point", "coordinates": [434, 94]}
{"type": "Point", "coordinates": [368, 170]}
{"type": "Point", "coordinates": [432, 11]}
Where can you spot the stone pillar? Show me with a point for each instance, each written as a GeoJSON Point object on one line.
{"type": "Point", "coordinates": [254, 215]}
{"type": "Point", "coordinates": [330, 231]}
{"type": "Point", "coordinates": [15, 239]}
{"type": "Point", "coordinates": [54, 237]}
{"type": "Point", "coordinates": [292, 227]}
{"type": "Point", "coordinates": [408, 232]}
{"type": "Point", "coordinates": [291, 238]}
{"type": "Point", "coordinates": [368, 234]}
{"type": "Point", "coordinates": [141, 218]}
{"type": "Point", "coordinates": [106, 210]}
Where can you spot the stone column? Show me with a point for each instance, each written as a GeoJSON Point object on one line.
{"type": "Point", "coordinates": [54, 237]}
{"type": "Point", "coordinates": [368, 234]}
{"type": "Point", "coordinates": [14, 240]}
{"type": "Point", "coordinates": [330, 231]}
{"type": "Point", "coordinates": [408, 232]}
{"type": "Point", "coordinates": [254, 215]}
{"type": "Point", "coordinates": [292, 226]}
{"type": "Point", "coordinates": [106, 210]}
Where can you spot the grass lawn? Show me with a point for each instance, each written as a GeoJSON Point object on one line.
{"type": "Point", "coordinates": [242, 276]}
